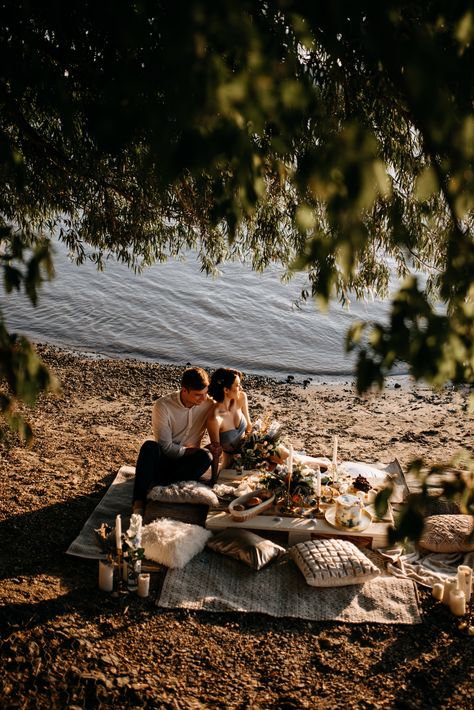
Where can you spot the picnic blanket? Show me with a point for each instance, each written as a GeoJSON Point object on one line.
{"type": "Point", "coordinates": [212, 582]}
{"type": "Point", "coordinates": [117, 500]}
{"type": "Point", "coordinates": [215, 583]}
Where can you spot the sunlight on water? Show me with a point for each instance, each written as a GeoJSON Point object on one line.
{"type": "Point", "coordinates": [173, 313]}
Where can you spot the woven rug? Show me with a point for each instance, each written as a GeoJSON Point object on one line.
{"type": "Point", "coordinates": [215, 583]}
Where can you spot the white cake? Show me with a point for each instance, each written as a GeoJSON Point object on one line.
{"type": "Point", "coordinates": [348, 511]}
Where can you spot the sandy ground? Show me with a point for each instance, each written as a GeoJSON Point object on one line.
{"type": "Point", "coordinates": [66, 646]}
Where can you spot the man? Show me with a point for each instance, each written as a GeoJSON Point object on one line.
{"type": "Point", "coordinates": [179, 422]}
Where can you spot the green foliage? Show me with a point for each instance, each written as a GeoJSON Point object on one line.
{"type": "Point", "coordinates": [22, 373]}
{"type": "Point", "coordinates": [440, 481]}
{"type": "Point", "coordinates": [292, 489]}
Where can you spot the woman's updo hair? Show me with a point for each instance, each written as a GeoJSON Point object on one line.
{"type": "Point", "coordinates": [221, 378]}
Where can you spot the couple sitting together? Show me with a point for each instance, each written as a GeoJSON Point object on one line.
{"type": "Point", "coordinates": [180, 420]}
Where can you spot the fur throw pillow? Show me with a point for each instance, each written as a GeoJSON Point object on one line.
{"type": "Point", "coordinates": [184, 492]}
{"type": "Point", "coordinates": [447, 533]}
{"type": "Point", "coordinates": [173, 543]}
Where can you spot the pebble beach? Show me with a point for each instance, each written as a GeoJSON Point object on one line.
{"type": "Point", "coordinates": [64, 645]}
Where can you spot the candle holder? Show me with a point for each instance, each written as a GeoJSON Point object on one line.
{"type": "Point", "coordinates": [318, 511]}
{"type": "Point", "coordinates": [465, 626]}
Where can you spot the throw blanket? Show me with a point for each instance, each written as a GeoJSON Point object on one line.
{"type": "Point", "coordinates": [425, 568]}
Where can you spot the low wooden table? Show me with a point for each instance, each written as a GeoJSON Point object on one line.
{"type": "Point", "coordinates": [299, 529]}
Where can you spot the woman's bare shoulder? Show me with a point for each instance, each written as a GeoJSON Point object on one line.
{"type": "Point", "coordinates": [242, 399]}
{"type": "Point", "coordinates": [214, 411]}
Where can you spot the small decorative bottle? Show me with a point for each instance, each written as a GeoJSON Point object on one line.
{"type": "Point", "coordinates": [133, 569]}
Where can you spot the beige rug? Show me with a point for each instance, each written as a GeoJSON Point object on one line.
{"type": "Point", "coordinates": [215, 583]}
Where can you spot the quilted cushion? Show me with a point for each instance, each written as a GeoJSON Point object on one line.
{"type": "Point", "coordinates": [184, 492]}
{"type": "Point", "coordinates": [173, 543]}
{"type": "Point", "coordinates": [447, 533]}
{"type": "Point", "coordinates": [243, 545]}
{"type": "Point", "coordinates": [333, 563]}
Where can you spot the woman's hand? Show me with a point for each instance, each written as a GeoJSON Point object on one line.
{"type": "Point", "coordinates": [215, 448]}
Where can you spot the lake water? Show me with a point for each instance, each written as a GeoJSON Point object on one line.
{"type": "Point", "coordinates": [173, 313]}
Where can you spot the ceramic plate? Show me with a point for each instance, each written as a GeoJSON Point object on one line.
{"type": "Point", "coordinates": [366, 519]}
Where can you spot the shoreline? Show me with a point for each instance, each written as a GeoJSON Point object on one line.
{"type": "Point", "coordinates": [298, 379]}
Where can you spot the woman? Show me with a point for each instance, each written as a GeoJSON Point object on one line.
{"type": "Point", "coordinates": [229, 418]}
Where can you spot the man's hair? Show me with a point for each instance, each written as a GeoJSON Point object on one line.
{"type": "Point", "coordinates": [194, 378]}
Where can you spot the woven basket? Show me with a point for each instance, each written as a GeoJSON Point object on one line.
{"type": "Point", "coordinates": [242, 515]}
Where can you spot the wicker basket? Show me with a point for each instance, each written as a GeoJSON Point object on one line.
{"type": "Point", "coordinates": [242, 515]}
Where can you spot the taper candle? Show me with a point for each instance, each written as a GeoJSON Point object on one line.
{"type": "Point", "coordinates": [143, 585]}
{"type": "Point", "coordinates": [334, 452]}
{"type": "Point", "coordinates": [118, 532]}
{"type": "Point", "coordinates": [318, 482]}
{"type": "Point", "coordinates": [106, 576]}
{"type": "Point", "coordinates": [465, 580]}
{"type": "Point", "coordinates": [290, 459]}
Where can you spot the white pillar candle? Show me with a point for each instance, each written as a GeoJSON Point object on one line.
{"type": "Point", "coordinates": [318, 482]}
{"type": "Point", "coordinates": [118, 532]}
{"type": "Point", "coordinates": [465, 580]}
{"type": "Point", "coordinates": [457, 602]}
{"type": "Point", "coordinates": [106, 576]}
{"type": "Point", "coordinates": [143, 585]}
{"type": "Point", "coordinates": [438, 590]}
{"type": "Point", "coordinates": [449, 585]}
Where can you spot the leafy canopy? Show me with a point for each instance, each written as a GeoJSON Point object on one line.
{"type": "Point", "coordinates": [336, 138]}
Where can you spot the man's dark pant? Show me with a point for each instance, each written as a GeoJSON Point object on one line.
{"type": "Point", "coordinates": [154, 468]}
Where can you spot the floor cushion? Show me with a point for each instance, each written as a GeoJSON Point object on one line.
{"type": "Point", "coordinates": [447, 533]}
{"type": "Point", "coordinates": [173, 543]}
{"type": "Point", "coordinates": [243, 545]}
{"type": "Point", "coordinates": [332, 563]}
{"type": "Point", "coordinates": [184, 492]}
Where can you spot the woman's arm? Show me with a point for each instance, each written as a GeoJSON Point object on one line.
{"type": "Point", "coordinates": [213, 426]}
{"type": "Point", "coordinates": [244, 405]}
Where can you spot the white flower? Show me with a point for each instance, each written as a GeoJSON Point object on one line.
{"type": "Point", "coordinates": [134, 532]}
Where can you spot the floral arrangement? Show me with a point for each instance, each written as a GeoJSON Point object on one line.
{"type": "Point", "coordinates": [132, 540]}
{"type": "Point", "coordinates": [106, 538]}
{"type": "Point", "coordinates": [259, 447]}
{"type": "Point", "coordinates": [124, 553]}
{"type": "Point", "coordinates": [292, 489]}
